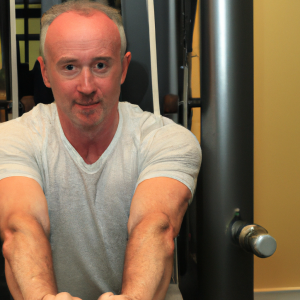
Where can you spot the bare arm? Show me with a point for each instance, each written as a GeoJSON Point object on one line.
{"type": "Point", "coordinates": [25, 226]}
{"type": "Point", "coordinates": [156, 213]}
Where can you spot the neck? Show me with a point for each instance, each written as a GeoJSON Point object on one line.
{"type": "Point", "coordinates": [91, 143]}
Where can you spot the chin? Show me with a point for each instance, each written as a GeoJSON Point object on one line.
{"type": "Point", "coordinates": [90, 122]}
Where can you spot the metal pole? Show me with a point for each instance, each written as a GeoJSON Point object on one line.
{"type": "Point", "coordinates": [226, 178]}
{"type": "Point", "coordinates": [173, 67]}
{"type": "Point", "coordinates": [13, 61]}
{"type": "Point", "coordinates": [153, 57]}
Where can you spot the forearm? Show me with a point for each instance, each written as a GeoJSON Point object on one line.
{"type": "Point", "coordinates": [149, 260]}
{"type": "Point", "coordinates": [27, 253]}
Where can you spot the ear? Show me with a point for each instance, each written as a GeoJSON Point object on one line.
{"type": "Point", "coordinates": [44, 72]}
{"type": "Point", "coordinates": [125, 64]}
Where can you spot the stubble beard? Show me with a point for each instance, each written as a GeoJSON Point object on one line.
{"type": "Point", "coordinates": [102, 111]}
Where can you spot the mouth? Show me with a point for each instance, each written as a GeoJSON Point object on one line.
{"type": "Point", "coordinates": [88, 105]}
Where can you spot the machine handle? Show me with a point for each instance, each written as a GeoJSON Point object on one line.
{"type": "Point", "coordinates": [253, 238]}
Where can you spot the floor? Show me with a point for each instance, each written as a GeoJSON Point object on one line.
{"type": "Point", "coordinates": [281, 295]}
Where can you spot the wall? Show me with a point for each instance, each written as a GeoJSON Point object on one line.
{"type": "Point", "coordinates": [195, 74]}
{"type": "Point", "coordinates": [277, 139]}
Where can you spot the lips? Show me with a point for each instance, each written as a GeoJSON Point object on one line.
{"type": "Point", "coordinates": [88, 104]}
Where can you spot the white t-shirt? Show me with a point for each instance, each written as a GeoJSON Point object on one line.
{"type": "Point", "coordinates": [89, 204]}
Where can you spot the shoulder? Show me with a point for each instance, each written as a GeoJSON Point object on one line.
{"type": "Point", "coordinates": [42, 115]}
{"type": "Point", "coordinates": [31, 128]}
{"type": "Point", "coordinates": [157, 132]}
{"type": "Point", "coordinates": [146, 123]}
{"type": "Point", "coordinates": [36, 121]}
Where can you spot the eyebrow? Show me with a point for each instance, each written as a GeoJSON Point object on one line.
{"type": "Point", "coordinates": [68, 60]}
{"type": "Point", "coordinates": [105, 58]}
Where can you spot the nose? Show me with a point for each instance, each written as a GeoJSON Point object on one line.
{"type": "Point", "coordinates": [86, 83]}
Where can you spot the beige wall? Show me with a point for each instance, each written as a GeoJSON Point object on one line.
{"type": "Point", "coordinates": [277, 139]}
{"type": "Point", "coordinates": [195, 74]}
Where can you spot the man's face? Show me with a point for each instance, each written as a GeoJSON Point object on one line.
{"type": "Point", "coordinates": [84, 68]}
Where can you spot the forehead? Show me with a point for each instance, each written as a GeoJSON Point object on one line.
{"type": "Point", "coordinates": [72, 29]}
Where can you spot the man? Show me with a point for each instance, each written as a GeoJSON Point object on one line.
{"type": "Point", "coordinates": [92, 191]}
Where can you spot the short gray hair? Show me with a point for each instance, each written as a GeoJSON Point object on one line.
{"type": "Point", "coordinates": [83, 7]}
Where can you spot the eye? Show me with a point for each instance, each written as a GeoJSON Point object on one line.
{"type": "Point", "coordinates": [70, 67]}
{"type": "Point", "coordinates": [100, 65]}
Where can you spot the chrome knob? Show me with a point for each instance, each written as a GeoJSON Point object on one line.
{"type": "Point", "coordinates": [254, 239]}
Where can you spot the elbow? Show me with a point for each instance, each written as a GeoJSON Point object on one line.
{"type": "Point", "coordinates": [158, 228]}
{"type": "Point", "coordinates": [168, 233]}
{"type": "Point", "coordinates": [25, 223]}
{"type": "Point", "coordinates": [7, 237]}
{"type": "Point", "coordinates": [170, 247]}
{"type": "Point", "coordinates": [17, 227]}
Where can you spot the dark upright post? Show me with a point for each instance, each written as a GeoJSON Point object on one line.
{"type": "Point", "coordinates": [226, 179]}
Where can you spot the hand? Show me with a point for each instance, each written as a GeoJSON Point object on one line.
{"type": "Point", "coordinates": [60, 296]}
{"type": "Point", "coordinates": [111, 296]}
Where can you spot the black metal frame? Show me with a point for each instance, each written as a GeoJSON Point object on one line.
{"type": "Point", "coordinates": [26, 14]}
{"type": "Point", "coordinates": [5, 36]}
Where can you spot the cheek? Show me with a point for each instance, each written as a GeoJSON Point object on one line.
{"type": "Point", "coordinates": [61, 95]}
{"type": "Point", "coordinates": [108, 86]}
{"type": "Point", "coordinates": [61, 88]}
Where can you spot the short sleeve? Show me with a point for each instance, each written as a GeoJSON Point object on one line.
{"type": "Point", "coordinates": [170, 151]}
{"type": "Point", "coordinates": [18, 151]}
